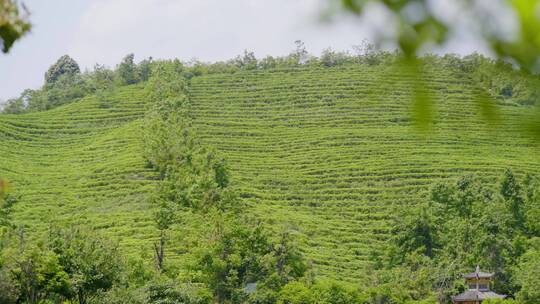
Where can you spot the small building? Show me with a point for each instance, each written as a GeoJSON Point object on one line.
{"type": "Point", "coordinates": [478, 284]}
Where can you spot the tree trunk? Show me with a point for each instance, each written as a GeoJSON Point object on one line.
{"type": "Point", "coordinates": [160, 251]}
{"type": "Point", "coordinates": [82, 298]}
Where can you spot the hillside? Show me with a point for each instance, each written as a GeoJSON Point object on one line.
{"type": "Point", "coordinates": [80, 163]}
{"type": "Point", "coordinates": [330, 152]}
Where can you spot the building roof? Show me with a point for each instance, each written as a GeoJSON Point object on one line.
{"type": "Point", "coordinates": [475, 295]}
{"type": "Point", "coordinates": [477, 274]}
{"type": "Point", "coordinates": [250, 288]}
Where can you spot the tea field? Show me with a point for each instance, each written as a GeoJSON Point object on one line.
{"type": "Point", "coordinates": [80, 163]}
{"type": "Point", "coordinates": [329, 152]}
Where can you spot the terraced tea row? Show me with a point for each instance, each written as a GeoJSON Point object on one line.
{"type": "Point", "coordinates": [332, 152]}
{"type": "Point", "coordinates": [81, 163]}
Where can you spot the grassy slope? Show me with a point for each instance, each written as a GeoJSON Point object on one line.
{"type": "Point", "coordinates": [329, 152]}
{"type": "Point", "coordinates": [80, 163]}
{"type": "Point", "coordinates": [332, 151]}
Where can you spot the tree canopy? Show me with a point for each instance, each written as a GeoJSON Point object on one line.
{"type": "Point", "coordinates": [65, 65]}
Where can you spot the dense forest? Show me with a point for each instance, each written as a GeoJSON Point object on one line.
{"type": "Point", "coordinates": [238, 182]}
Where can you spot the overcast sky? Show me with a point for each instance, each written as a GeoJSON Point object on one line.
{"type": "Point", "coordinates": [103, 31]}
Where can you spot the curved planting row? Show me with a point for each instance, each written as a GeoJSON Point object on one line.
{"type": "Point", "coordinates": [80, 163]}
{"type": "Point", "coordinates": [330, 152]}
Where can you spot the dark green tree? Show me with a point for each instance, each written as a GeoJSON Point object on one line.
{"type": "Point", "coordinates": [241, 255]}
{"type": "Point", "coordinates": [511, 193]}
{"type": "Point", "coordinates": [145, 69]}
{"type": "Point", "coordinates": [527, 276]}
{"type": "Point", "coordinates": [417, 232]}
{"type": "Point", "coordinates": [65, 65]}
{"type": "Point", "coordinates": [532, 206]}
{"type": "Point", "coordinates": [247, 61]}
{"type": "Point", "coordinates": [91, 262]}
{"type": "Point", "coordinates": [101, 78]}
{"type": "Point", "coordinates": [170, 293]}
{"type": "Point", "coordinates": [39, 276]}
{"type": "Point", "coordinates": [127, 70]}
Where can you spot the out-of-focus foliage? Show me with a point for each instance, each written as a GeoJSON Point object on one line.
{"type": "Point", "coordinates": [13, 23]}
{"type": "Point", "coordinates": [419, 24]}
{"type": "Point", "coordinates": [416, 25]}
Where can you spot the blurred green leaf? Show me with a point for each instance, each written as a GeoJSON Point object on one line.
{"type": "Point", "coordinates": [354, 6]}
{"type": "Point", "coordinates": [422, 106]}
{"type": "Point", "coordinates": [13, 24]}
{"type": "Point", "coordinates": [488, 108]}
{"type": "Point", "coordinates": [422, 103]}
{"type": "Point", "coordinates": [532, 124]}
{"type": "Point", "coordinates": [418, 25]}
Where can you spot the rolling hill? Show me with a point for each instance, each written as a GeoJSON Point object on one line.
{"type": "Point", "coordinates": [329, 152]}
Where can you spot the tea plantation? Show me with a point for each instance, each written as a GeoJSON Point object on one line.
{"type": "Point", "coordinates": [329, 152]}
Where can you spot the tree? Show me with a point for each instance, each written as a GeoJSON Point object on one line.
{"type": "Point", "coordinates": [164, 217]}
{"type": "Point", "coordinates": [170, 293]}
{"type": "Point", "coordinates": [101, 78]}
{"type": "Point", "coordinates": [247, 61]}
{"type": "Point", "coordinates": [13, 23]}
{"type": "Point", "coordinates": [145, 69]}
{"type": "Point", "coordinates": [417, 232]}
{"type": "Point", "coordinates": [14, 106]}
{"type": "Point", "coordinates": [193, 176]}
{"type": "Point", "coordinates": [330, 58]}
{"type": "Point", "coordinates": [300, 55]}
{"type": "Point", "coordinates": [92, 263]}
{"type": "Point", "coordinates": [532, 215]}
{"type": "Point", "coordinates": [38, 276]}
{"type": "Point", "coordinates": [65, 65]}
{"type": "Point", "coordinates": [527, 275]}
{"type": "Point", "coordinates": [240, 255]}
{"type": "Point", "coordinates": [127, 70]}
{"type": "Point", "coordinates": [321, 292]}
{"type": "Point", "coordinates": [462, 225]}
{"type": "Point", "coordinates": [286, 259]}
{"type": "Point", "coordinates": [67, 88]}
{"type": "Point", "coordinates": [511, 193]}
{"type": "Point", "coordinates": [295, 293]}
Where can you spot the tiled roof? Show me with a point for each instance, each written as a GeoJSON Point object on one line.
{"type": "Point", "coordinates": [474, 294]}
{"type": "Point", "coordinates": [478, 274]}
{"type": "Point", "coordinates": [481, 275]}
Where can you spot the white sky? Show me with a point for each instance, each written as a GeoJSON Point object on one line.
{"type": "Point", "coordinates": [104, 31]}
